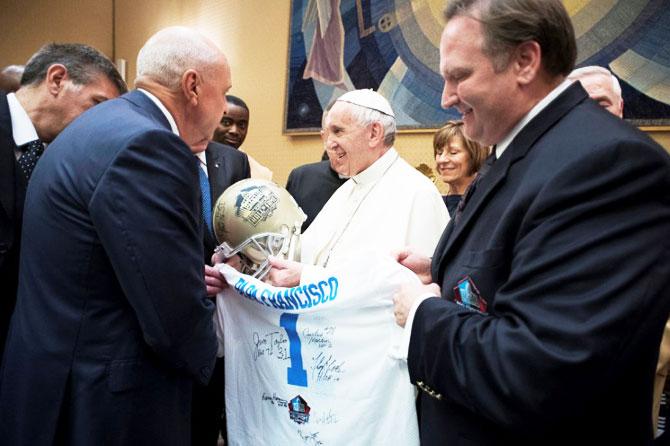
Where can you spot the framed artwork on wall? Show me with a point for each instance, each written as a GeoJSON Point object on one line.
{"type": "Point", "coordinates": [392, 46]}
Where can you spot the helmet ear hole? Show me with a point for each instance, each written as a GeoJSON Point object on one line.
{"type": "Point", "coordinates": [256, 218]}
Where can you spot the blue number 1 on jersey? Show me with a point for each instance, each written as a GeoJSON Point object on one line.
{"type": "Point", "coordinates": [296, 375]}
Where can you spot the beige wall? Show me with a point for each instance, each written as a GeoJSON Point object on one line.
{"type": "Point", "coordinates": [28, 24]}
{"type": "Point", "coordinates": [253, 34]}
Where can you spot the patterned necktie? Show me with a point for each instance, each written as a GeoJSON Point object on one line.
{"type": "Point", "coordinates": [206, 198]}
{"type": "Point", "coordinates": [30, 153]}
{"type": "Point", "coordinates": [473, 186]}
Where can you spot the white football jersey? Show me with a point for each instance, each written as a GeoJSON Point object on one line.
{"type": "Point", "coordinates": [317, 364]}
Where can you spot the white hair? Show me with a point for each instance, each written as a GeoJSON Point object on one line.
{"type": "Point", "coordinates": [594, 70]}
{"type": "Point", "coordinates": [366, 116]}
{"type": "Point", "coordinates": [171, 51]}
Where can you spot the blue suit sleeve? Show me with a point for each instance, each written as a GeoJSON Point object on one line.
{"type": "Point", "coordinates": [147, 213]}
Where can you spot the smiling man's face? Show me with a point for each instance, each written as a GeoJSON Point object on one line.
{"type": "Point", "coordinates": [347, 141]}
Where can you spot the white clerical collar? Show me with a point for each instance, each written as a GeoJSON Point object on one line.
{"type": "Point", "coordinates": [166, 112]}
{"type": "Point", "coordinates": [377, 169]}
{"type": "Point", "coordinates": [505, 142]}
{"type": "Point", "coordinates": [23, 130]}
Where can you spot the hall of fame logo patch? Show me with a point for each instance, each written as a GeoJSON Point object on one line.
{"type": "Point", "coordinates": [255, 204]}
{"type": "Point", "coordinates": [298, 410]}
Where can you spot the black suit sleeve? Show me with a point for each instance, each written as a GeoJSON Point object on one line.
{"type": "Point", "coordinates": [146, 211]}
{"type": "Point", "coordinates": [290, 182]}
{"type": "Point", "coordinates": [589, 259]}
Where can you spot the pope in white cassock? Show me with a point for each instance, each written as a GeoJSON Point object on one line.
{"type": "Point", "coordinates": [385, 205]}
{"type": "Point", "coordinates": [311, 357]}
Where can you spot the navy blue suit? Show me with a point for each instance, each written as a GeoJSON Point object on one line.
{"type": "Point", "coordinates": [564, 252]}
{"type": "Point", "coordinates": [312, 185]}
{"type": "Point", "coordinates": [12, 192]}
{"type": "Point", "coordinates": [111, 324]}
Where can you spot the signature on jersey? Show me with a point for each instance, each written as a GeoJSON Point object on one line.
{"type": "Point", "coordinates": [326, 368]}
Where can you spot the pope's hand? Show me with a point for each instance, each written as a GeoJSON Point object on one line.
{"type": "Point", "coordinates": [284, 273]}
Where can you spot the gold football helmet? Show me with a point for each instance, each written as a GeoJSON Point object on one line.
{"type": "Point", "coordinates": [256, 218]}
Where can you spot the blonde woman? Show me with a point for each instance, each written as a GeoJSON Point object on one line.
{"type": "Point", "coordinates": [457, 161]}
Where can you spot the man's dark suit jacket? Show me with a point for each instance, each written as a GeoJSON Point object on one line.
{"type": "Point", "coordinates": [225, 166]}
{"type": "Point", "coordinates": [12, 192]}
{"type": "Point", "coordinates": [312, 185]}
{"type": "Point", "coordinates": [111, 323]}
{"type": "Point", "coordinates": [566, 242]}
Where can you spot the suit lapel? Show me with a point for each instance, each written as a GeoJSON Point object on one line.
{"type": "Point", "coordinates": [517, 150]}
{"type": "Point", "coordinates": [7, 158]}
{"type": "Point", "coordinates": [216, 169]}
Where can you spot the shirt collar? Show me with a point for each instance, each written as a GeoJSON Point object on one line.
{"type": "Point", "coordinates": [203, 160]}
{"type": "Point", "coordinates": [23, 130]}
{"type": "Point", "coordinates": [376, 169]}
{"type": "Point", "coordinates": [505, 142]}
{"type": "Point", "coordinates": [159, 104]}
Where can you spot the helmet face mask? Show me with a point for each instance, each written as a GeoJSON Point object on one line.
{"type": "Point", "coordinates": [256, 218]}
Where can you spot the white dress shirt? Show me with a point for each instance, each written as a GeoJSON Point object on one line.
{"type": "Point", "coordinates": [23, 130]}
{"type": "Point", "coordinates": [386, 207]}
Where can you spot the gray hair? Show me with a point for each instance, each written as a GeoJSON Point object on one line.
{"type": "Point", "coordinates": [366, 116]}
{"type": "Point", "coordinates": [172, 51]}
{"type": "Point", "coordinates": [83, 64]}
{"type": "Point", "coordinates": [594, 70]}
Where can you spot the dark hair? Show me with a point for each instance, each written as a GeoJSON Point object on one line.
{"type": "Point", "coordinates": [454, 129]}
{"type": "Point", "coordinates": [83, 63]}
{"type": "Point", "coordinates": [508, 23]}
{"type": "Point", "coordinates": [236, 101]}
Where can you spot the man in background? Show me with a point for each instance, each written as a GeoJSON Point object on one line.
{"type": "Point", "coordinates": [536, 338]}
{"type": "Point", "coordinates": [312, 185]}
{"type": "Point", "coordinates": [602, 86]}
{"type": "Point", "coordinates": [60, 82]}
{"type": "Point", "coordinates": [233, 131]}
{"type": "Point", "coordinates": [112, 323]}
{"type": "Point", "coordinates": [10, 78]}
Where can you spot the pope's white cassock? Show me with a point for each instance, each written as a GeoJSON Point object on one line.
{"type": "Point", "coordinates": [318, 363]}
{"type": "Point", "coordinates": [387, 206]}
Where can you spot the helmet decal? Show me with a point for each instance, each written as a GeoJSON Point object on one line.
{"type": "Point", "coordinates": [255, 204]}
{"type": "Point", "coordinates": [255, 218]}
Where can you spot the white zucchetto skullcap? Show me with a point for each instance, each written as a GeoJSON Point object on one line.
{"type": "Point", "coordinates": [369, 99]}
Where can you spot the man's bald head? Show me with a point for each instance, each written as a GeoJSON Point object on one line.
{"type": "Point", "coordinates": [190, 75]}
{"type": "Point", "coordinates": [10, 78]}
{"type": "Point", "coordinates": [602, 86]}
{"type": "Point", "coordinates": [169, 53]}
